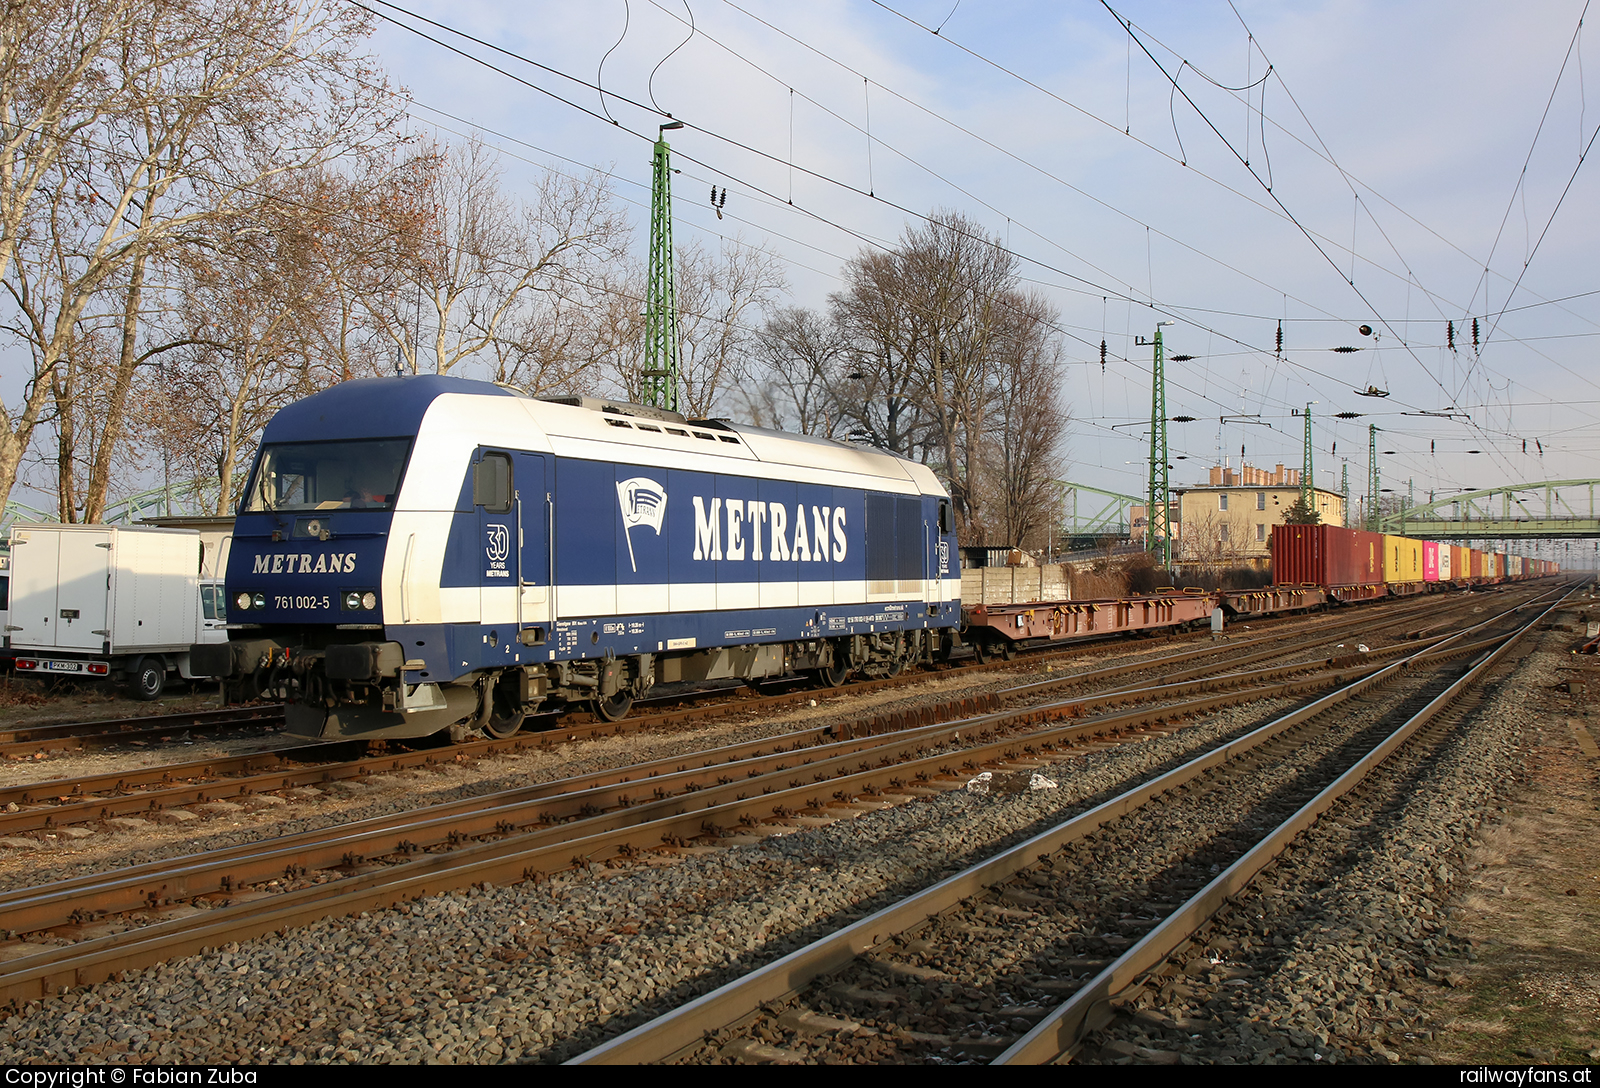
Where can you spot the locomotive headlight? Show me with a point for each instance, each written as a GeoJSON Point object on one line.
{"type": "Point", "coordinates": [358, 600]}
{"type": "Point", "coordinates": [242, 601]}
{"type": "Point", "coordinates": [259, 601]}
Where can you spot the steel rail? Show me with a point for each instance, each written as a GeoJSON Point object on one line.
{"type": "Point", "coordinates": [230, 778]}
{"type": "Point", "coordinates": [76, 736]}
{"type": "Point", "coordinates": [1060, 1032]}
{"type": "Point", "coordinates": [115, 726]}
{"type": "Point", "coordinates": [684, 1027]}
{"type": "Point", "coordinates": [520, 856]}
{"type": "Point", "coordinates": [542, 852]}
{"type": "Point", "coordinates": [30, 909]}
{"type": "Point", "coordinates": [23, 741]}
{"type": "Point", "coordinates": [587, 799]}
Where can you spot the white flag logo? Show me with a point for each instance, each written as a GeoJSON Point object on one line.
{"type": "Point", "coordinates": [643, 502]}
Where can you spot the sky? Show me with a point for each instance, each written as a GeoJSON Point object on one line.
{"type": "Point", "coordinates": [1222, 166]}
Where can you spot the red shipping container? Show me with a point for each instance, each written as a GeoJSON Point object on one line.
{"type": "Point", "coordinates": [1326, 555]}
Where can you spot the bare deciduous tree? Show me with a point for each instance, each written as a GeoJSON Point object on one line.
{"type": "Point", "coordinates": [884, 326]}
{"type": "Point", "coordinates": [56, 83]}
{"type": "Point", "coordinates": [952, 364]}
{"type": "Point", "coordinates": [720, 299]}
{"type": "Point", "coordinates": [181, 116]}
{"type": "Point", "coordinates": [262, 310]}
{"type": "Point", "coordinates": [803, 354]}
{"type": "Point", "coordinates": [477, 260]}
{"type": "Point", "coordinates": [1028, 422]}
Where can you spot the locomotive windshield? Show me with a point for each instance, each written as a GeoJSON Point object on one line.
{"type": "Point", "coordinates": [356, 475]}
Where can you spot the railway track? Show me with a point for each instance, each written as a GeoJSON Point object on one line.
{"type": "Point", "coordinates": [31, 740]}
{"type": "Point", "coordinates": [672, 708]}
{"type": "Point", "coordinates": [107, 924]}
{"type": "Point", "coordinates": [1016, 958]}
{"type": "Point", "coordinates": [150, 792]}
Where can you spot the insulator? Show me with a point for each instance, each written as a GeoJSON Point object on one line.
{"type": "Point", "coordinates": [1280, 337]}
{"type": "Point", "coordinates": [1102, 356]}
{"type": "Point", "coordinates": [1474, 334]}
{"type": "Point", "coordinates": [1450, 335]}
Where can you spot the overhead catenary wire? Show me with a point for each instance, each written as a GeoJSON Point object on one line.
{"type": "Point", "coordinates": [1086, 284]}
{"type": "Point", "coordinates": [1089, 288]}
{"type": "Point", "coordinates": [1327, 156]}
{"type": "Point", "coordinates": [1097, 288]}
{"type": "Point", "coordinates": [909, 212]}
{"type": "Point", "coordinates": [1378, 315]}
{"type": "Point", "coordinates": [1168, 306]}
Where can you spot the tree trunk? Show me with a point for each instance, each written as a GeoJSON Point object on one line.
{"type": "Point", "coordinates": [116, 408]}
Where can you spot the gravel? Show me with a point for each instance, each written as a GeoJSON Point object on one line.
{"type": "Point", "coordinates": [540, 972]}
{"type": "Point", "coordinates": [544, 971]}
{"type": "Point", "coordinates": [1332, 955]}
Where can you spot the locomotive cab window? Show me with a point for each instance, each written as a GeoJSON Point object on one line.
{"type": "Point", "coordinates": [944, 517]}
{"type": "Point", "coordinates": [358, 475]}
{"type": "Point", "coordinates": [491, 483]}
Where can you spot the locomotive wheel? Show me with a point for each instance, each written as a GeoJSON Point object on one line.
{"type": "Point", "coordinates": [833, 676]}
{"type": "Point", "coordinates": [897, 662]}
{"type": "Point", "coordinates": [615, 708]}
{"type": "Point", "coordinates": [504, 720]}
{"type": "Point", "coordinates": [1007, 649]}
{"type": "Point", "coordinates": [501, 726]}
{"type": "Point", "coordinates": [983, 650]}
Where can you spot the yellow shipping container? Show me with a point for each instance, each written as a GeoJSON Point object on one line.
{"type": "Point", "coordinates": [1402, 559]}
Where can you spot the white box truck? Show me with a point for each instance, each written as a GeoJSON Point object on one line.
{"type": "Point", "coordinates": [109, 602]}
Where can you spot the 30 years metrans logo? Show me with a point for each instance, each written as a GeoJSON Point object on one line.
{"type": "Point", "coordinates": [497, 548]}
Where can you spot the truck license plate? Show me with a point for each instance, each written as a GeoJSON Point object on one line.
{"type": "Point", "coordinates": [64, 666]}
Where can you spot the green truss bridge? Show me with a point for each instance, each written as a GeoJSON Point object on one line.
{"type": "Point", "coordinates": [1548, 510]}
{"type": "Point", "coordinates": [1089, 511]}
{"type": "Point", "coordinates": [186, 497]}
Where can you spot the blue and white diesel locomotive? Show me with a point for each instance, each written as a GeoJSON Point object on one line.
{"type": "Point", "coordinates": [422, 553]}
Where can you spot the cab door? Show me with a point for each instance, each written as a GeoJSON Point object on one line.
{"type": "Point", "coordinates": [511, 501]}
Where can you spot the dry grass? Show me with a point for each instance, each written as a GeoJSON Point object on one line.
{"type": "Point", "coordinates": [1533, 914]}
